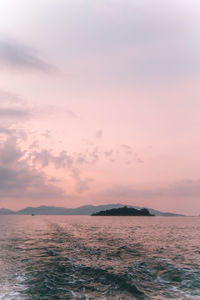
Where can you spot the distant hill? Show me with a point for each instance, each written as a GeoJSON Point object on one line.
{"type": "Point", "coordinates": [53, 210]}
{"type": "Point", "coordinates": [124, 211]}
{"type": "Point", "coordinates": [42, 210]}
{"type": "Point", "coordinates": [4, 211]}
{"type": "Point", "coordinates": [82, 210]}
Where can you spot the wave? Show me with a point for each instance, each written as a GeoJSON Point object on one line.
{"type": "Point", "coordinates": [159, 276]}
{"type": "Point", "coordinates": [59, 264]}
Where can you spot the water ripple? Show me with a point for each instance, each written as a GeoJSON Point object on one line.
{"type": "Point", "coordinates": [85, 258]}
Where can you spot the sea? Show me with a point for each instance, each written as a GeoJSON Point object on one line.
{"type": "Point", "coordinates": [85, 257]}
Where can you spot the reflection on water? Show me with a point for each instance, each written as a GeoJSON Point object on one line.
{"type": "Point", "coordinates": [82, 257]}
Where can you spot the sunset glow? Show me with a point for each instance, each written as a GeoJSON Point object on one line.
{"type": "Point", "coordinates": [99, 103]}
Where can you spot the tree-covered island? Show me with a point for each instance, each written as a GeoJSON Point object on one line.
{"type": "Point", "coordinates": [123, 211]}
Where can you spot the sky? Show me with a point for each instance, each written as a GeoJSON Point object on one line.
{"type": "Point", "coordinates": [99, 103]}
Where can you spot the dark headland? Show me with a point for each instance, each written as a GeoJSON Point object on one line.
{"type": "Point", "coordinates": [123, 211]}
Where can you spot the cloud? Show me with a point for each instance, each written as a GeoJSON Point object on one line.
{"type": "Point", "coordinates": [95, 156]}
{"type": "Point", "coordinates": [65, 161]}
{"type": "Point", "coordinates": [71, 114]}
{"type": "Point", "coordinates": [99, 134]}
{"type": "Point", "coordinates": [82, 185]}
{"type": "Point", "coordinates": [108, 153]}
{"type": "Point", "coordinates": [152, 38]}
{"type": "Point", "coordinates": [46, 157]}
{"type": "Point", "coordinates": [9, 131]}
{"type": "Point", "coordinates": [6, 131]}
{"type": "Point", "coordinates": [127, 149]}
{"type": "Point", "coordinates": [185, 189]}
{"type": "Point", "coordinates": [129, 152]}
{"type": "Point", "coordinates": [10, 98]}
{"type": "Point", "coordinates": [34, 145]}
{"type": "Point", "coordinates": [18, 180]}
{"type": "Point", "coordinates": [26, 183]}
{"type": "Point", "coordinates": [13, 108]}
{"type": "Point", "coordinates": [20, 56]}
{"type": "Point", "coordinates": [47, 134]}
{"type": "Point", "coordinates": [14, 113]}
{"type": "Point", "coordinates": [9, 152]}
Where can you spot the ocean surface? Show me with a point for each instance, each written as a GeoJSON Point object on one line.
{"type": "Point", "coordinates": [83, 257]}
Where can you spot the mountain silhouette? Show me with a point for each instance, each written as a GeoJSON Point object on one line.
{"type": "Point", "coordinates": [82, 210]}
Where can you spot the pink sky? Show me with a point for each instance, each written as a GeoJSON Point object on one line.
{"type": "Point", "coordinates": [99, 103]}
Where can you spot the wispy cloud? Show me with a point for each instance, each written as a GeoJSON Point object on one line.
{"type": "Point", "coordinates": [127, 149]}
{"type": "Point", "coordinates": [10, 98]}
{"type": "Point", "coordinates": [99, 134]}
{"type": "Point", "coordinates": [177, 190]}
{"type": "Point", "coordinates": [14, 113]}
{"type": "Point", "coordinates": [13, 108]}
{"type": "Point", "coordinates": [71, 114]}
{"type": "Point", "coordinates": [17, 55]}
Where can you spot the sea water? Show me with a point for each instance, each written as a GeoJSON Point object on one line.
{"type": "Point", "coordinates": [84, 257]}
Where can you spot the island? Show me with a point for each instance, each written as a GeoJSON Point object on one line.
{"type": "Point", "coordinates": [124, 211]}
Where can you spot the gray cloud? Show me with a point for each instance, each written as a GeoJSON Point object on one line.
{"type": "Point", "coordinates": [14, 113]}
{"type": "Point", "coordinates": [10, 132]}
{"type": "Point", "coordinates": [18, 55]}
{"type": "Point", "coordinates": [141, 21]}
{"type": "Point", "coordinates": [46, 157]}
{"type": "Point", "coordinates": [13, 109]}
{"type": "Point", "coordinates": [6, 131]}
{"type": "Point", "coordinates": [18, 180]}
{"type": "Point", "coordinates": [141, 38]}
{"type": "Point", "coordinates": [10, 98]}
{"type": "Point", "coordinates": [26, 183]}
{"type": "Point", "coordinates": [179, 190]}
{"type": "Point", "coordinates": [66, 161]}
{"type": "Point", "coordinates": [9, 152]}
{"type": "Point", "coordinates": [91, 157]}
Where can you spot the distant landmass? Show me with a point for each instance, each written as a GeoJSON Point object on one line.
{"type": "Point", "coordinates": [4, 211]}
{"type": "Point", "coordinates": [124, 211]}
{"type": "Point", "coordinates": [83, 210]}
